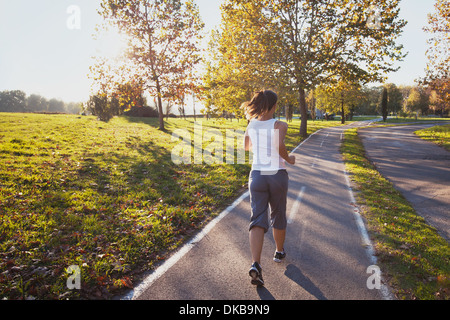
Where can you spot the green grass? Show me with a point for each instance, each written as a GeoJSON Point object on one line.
{"type": "Point", "coordinates": [102, 196]}
{"type": "Point", "coordinates": [413, 257]}
{"type": "Point", "coordinates": [438, 134]}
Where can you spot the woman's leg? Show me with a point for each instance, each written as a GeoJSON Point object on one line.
{"type": "Point", "coordinates": [259, 224]}
{"type": "Point", "coordinates": [256, 237]}
{"type": "Point", "coordinates": [279, 236]}
{"type": "Point", "coordinates": [278, 197]}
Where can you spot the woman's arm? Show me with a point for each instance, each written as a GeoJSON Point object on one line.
{"type": "Point", "coordinates": [282, 131]}
{"type": "Point", "coordinates": [247, 141]}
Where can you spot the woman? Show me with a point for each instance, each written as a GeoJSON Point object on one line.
{"type": "Point", "coordinates": [268, 181]}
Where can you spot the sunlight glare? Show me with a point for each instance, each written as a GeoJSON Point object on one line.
{"type": "Point", "coordinates": [111, 44]}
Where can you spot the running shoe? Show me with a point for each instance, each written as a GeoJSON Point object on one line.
{"type": "Point", "coordinates": [256, 274]}
{"type": "Point", "coordinates": [278, 256]}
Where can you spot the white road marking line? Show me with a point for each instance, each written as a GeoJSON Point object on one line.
{"type": "Point", "coordinates": [296, 204]}
{"type": "Point", "coordinates": [305, 140]}
{"type": "Point", "coordinates": [385, 292]}
{"type": "Point", "coordinates": [315, 160]}
{"type": "Point", "coordinates": [324, 140]}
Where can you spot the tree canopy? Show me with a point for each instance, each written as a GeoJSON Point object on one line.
{"type": "Point", "coordinates": [295, 45]}
{"type": "Point", "coordinates": [437, 75]}
{"type": "Point", "coordinates": [342, 97]}
{"type": "Point", "coordinates": [163, 44]}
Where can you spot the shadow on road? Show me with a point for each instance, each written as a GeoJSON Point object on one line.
{"type": "Point", "coordinates": [296, 275]}
{"type": "Point", "coordinates": [264, 294]}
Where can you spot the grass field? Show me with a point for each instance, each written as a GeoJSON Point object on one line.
{"type": "Point", "coordinates": [105, 197]}
{"type": "Point", "coordinates": [413, 257]}
{"type": "Point", "coordinates": [437, 134]}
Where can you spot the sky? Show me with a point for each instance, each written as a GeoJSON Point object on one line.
{"type": "Point", "coordinates": [46, 46]}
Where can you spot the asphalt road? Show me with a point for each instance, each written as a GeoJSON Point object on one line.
{"type": "Point", "coordinates": [327, 258]}
{"type": "Point", "coordinates": [419, 169]}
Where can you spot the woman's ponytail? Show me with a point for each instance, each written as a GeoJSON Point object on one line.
{"type": "Point", "coordinates": [262, 102]}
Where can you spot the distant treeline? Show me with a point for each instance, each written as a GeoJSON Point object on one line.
{"type": "Point", "coordinates": [18, 101]}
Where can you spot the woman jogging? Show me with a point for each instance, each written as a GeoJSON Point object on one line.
{"type": "Point", "coordinates": [268, 180]}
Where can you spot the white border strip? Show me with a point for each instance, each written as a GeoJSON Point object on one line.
{"type": "Point", "coordinates": [384, 290]}
{"type": "Point", "coordinates": [360, 223]}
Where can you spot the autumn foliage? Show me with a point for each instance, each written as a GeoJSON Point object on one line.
{"type": "Point", "coordinates": [163, 44]}
{"type": "Point", "coordinates": [437, 76]}
{"type": "Point", "coordinates": [293, 46]}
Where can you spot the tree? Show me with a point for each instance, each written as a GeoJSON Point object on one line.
{"type": "Point", "coordinates": [384, 104]}
{"type": "Point", "coordinates": [209, 92]}
{"type": "Point", "coordinates": [369, 102]}
{"type": "Point", "coordinates": [437, 76]}
{"type": "Point", "coordinates": [342, 97]}
{"type": "Point", "coordinates": [418, 100]}
{"type": "Point", "coordinates": [107, 76]}
{"type": "Point", "coordinates": [115, 81]}
{"type": "Point", "coordinates": [304, 43]}
{"type": "Point", "coordinates": [164, 38]}
{"type": "Point", "coordinates": [438, 104]}
{"type": "Point", "coordinates": [55, 105]}
{"type": "Point", "coordinates": [311, 102]}
{"type": "Point", "coordinates": [74, 107]}
{"type": "Point", "coordinates": [13, 101]}
{"type": "Point", "coordinates": [36, 102]}
{"type": "Point", "coordinates": [103, 107]}
{"type": "Point", "coordinates": [225, 85]}
{"type": "Point", "coordinates": [130, 94]}
{"type": "Point", "coordinates": [395, 98]}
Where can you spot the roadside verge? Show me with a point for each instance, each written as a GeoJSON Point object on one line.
{"type": "Point", "coordinates": [412, 256]}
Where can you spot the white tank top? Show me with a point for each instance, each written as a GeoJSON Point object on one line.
{"type": "Point", "coordinates": [265, 145]}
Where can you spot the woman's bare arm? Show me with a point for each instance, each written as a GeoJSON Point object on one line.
{"type": "Point", "coordinates": [282, 131]}
{"type": "Point", "coordinates": [247, 142]}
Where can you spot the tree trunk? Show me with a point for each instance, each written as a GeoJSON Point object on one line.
{"type": "Point", "coordinates": [303, 114]}
{"type": "Point", "coordinates": [193, 104]}
{"type": "Point", "coordinates": [384, 101]}
{"type": "Point", "coordinates": [160, 109]}
{"type": "Point", "coordinates": [313, 106]}
{"type": "Point", "coordinates": [342, 113]}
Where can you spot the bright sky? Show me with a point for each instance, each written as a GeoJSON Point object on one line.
{"type": "Point", "coordinates": [40, 54]}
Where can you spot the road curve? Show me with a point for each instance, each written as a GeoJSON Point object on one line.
{"type": "Point", "coordinates": [419, 169]}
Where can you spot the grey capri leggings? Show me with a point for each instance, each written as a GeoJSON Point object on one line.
{"type": "Point", "coordinates": [268, 190]}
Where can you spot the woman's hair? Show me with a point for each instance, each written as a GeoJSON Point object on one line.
{"type": "Point", "coordinates": [262, 102]}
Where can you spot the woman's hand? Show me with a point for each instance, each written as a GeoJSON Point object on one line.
{"type": "Point", "coordinates": [291, 159]}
